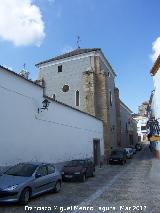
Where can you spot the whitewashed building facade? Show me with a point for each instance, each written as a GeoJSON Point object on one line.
{"type": "Point", "coordinates": [155, 100]}
{"type": "Point", "coordinates": [29, 133]}
{"type": "Point", "coordinates": [141, 127]}
{"type": "Point", "coordinates": [155, 95]}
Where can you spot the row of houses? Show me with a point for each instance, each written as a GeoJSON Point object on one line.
{"type": "Point", "coordinates": [141, 118]}
{"type": "Point", "coordinates": [72, 110]}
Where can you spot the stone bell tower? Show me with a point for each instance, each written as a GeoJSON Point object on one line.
{"type": "Point", "coordinates": [96, 98]}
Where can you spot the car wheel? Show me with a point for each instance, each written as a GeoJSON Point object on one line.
{"type": "Point", "coordinates": [83, 178]}
{"type": "Point", "coordinates": [25, 196]}
{"type": "Point", "coordinates": [64, 179]}
{"type": "Point", "coordinates": [57, 187]}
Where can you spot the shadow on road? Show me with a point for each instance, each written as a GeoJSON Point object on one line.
{"type": "Point", "coordinates": [145, 153]}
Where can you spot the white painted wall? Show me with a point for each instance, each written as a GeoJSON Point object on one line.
{"type": "Point", "coordinates": [71, 75]}
{"type": "Point", "coordinates": [156, 97]}
{"type": "Point", "coordinates": [57, 135]}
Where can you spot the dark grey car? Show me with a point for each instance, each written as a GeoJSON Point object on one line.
{"type": "Point", "coordinates": [25, 180]}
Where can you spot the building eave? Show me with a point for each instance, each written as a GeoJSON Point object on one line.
{"type": "Point", "coordinates": [126, 107]}
{"type": "Point", "coordinates": [72, 54]}
{"type": "Point", "coordinates": [69, 57]}
{"type": "Point", "coordinates": [61, 103]}
{"type": "Point", "coordinates": [106, 62]}
{"type": "Point", "coordinates": [19, 76]}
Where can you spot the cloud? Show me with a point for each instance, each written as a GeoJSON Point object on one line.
{"type": "Point", "coordinates": [21, 22]}
{"type": "Point", "coordinates": [155, 49]}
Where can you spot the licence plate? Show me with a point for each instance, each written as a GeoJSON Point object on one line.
{"type": "Point", "coordinates": [68, 176]}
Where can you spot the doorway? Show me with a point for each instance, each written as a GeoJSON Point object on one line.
{"type": "Point", "coordinates": [96, 151]}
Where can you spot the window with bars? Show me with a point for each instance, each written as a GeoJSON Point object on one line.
{"type": "Point", "coordinates": [77, 98]}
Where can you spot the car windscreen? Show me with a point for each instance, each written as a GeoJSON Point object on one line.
{"type": "Point", "coordinates": [76, 163]}
{"type": "Point", "coordinates": [25, 170]}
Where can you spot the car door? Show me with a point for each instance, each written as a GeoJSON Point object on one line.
{"type": "Point", "coordinates": [41, 180]}
{"type": "Point", "coordinates": [89, 168]}
{"type": "Point", "coordinates": [92, 166]}
{"type": "Point", "coordinates": [52, 176]}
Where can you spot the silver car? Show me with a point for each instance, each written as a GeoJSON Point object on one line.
{"type": "Point", "coordinates": [25, 180]}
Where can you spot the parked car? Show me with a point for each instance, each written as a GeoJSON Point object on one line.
{"type": "Point", "coordinates": [134, 151]}
{"type": "Point", "coordinates": [25, 180]}
{"type": "Point", "coordinates": [78, 170]}
{"type": "Point", "coordinates": [133, 148]}
{"type": "Point", "coordinates": [118, 156]}
{"type": "Point", "coordinates": [138, 147]}
{"type": "Point", "coordinates": [129, 152]}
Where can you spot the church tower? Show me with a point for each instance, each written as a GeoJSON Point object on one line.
{"type": "Point", "coordinates": [84, 79]}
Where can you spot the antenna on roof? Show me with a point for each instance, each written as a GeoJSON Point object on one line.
{"type": "Point", "coordinates": [78, 42]}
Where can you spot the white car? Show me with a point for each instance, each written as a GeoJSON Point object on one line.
{"type": "Point", "coordinates": [129, 152]}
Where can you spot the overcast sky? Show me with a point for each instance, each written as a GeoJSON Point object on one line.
{"type": "Point", "coordinates": [127, 31]}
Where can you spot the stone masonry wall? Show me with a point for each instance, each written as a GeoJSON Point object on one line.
{"type": "Point", "coordinates": [96, 92]}
{"type": "Point", "coordinates": [89, 91]}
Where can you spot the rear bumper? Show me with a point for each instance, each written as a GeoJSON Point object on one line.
{"type": "Point", "coordinates": [71, 177]}
{"type": "Point", "coordinates": [116, 160]}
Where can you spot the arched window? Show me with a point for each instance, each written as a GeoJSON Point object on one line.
{"type": "Point", "coordinates": [77, 98]}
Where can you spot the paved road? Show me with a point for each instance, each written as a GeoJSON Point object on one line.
{"type": "Point", "coordinates": [116, 188]}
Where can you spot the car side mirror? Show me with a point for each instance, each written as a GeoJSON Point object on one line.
{"type": "Point", "coordinates": [37, 175]}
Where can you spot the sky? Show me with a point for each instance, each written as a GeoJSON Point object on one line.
{"type": "Point", "coordinates": [127, 31]}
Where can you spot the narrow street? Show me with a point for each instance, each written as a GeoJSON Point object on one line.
{"type": "Point", "coordinates": [116, 188]}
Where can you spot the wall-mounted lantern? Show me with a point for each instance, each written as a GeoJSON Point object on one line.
{"type": "Point", "coordinates": [45, 105]}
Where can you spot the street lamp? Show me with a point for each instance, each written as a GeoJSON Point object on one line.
{"type": "Point", "coordinates": [45, 105]}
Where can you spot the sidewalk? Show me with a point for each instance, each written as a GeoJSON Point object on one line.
{"type": "Point", "coordinates": [155, 171]}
